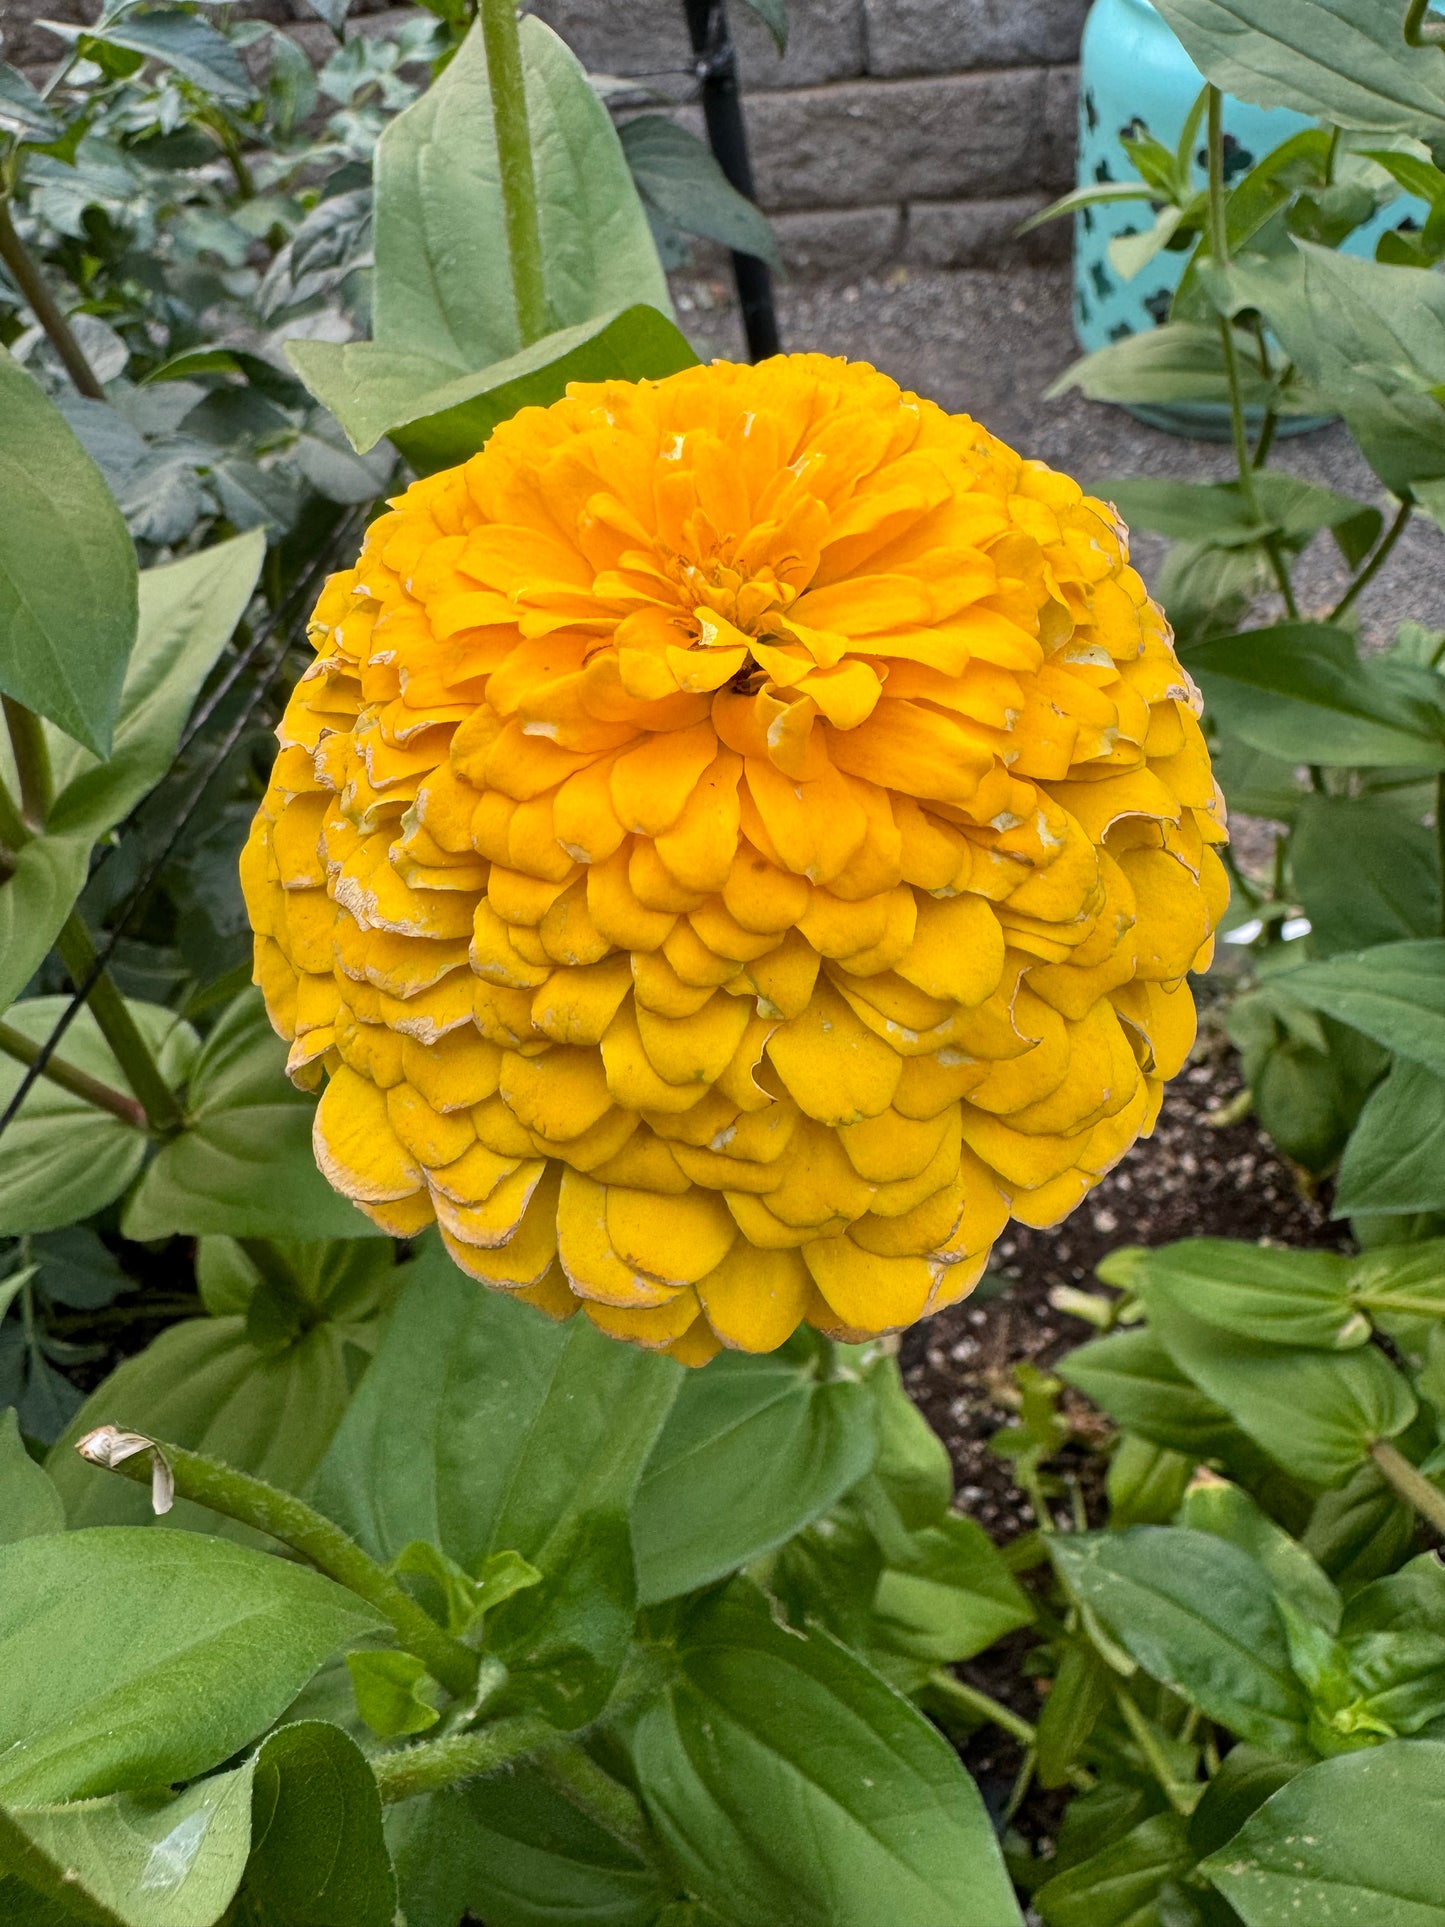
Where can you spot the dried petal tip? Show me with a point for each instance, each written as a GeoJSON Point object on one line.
{"type": "Point", "coordinates": [107, 1446]}
{"type": "Point", "coordinates": [743, 838]}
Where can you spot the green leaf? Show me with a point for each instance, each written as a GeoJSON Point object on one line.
{"type": "Point", "coordinates": [176, 39]}
{"type": "Point", "coordinates": [1315, 1413]}
{"type": "Point", "coordinates": [64, 1158]}
{"type": "Point", "coordinates": [1180, 362]}
{"type": "Point", "coordinates": [1394, 1163]}
{"type": "Point", "coordinates": [35, 900]}
{"type": "Point", "coordinates": [1246, 1778]}
{"type": "Point", "coordinates": [680, 181]}
{"type": "Point", "coordinates": [1118, 1886]}
{"type": "Point", "coordinates": [1077, 1697]}
{"type": "Point", "coordinates": [947, 1597]}
{"type": "Point", "coordinates": [515, 1853]}
{"type": "Point", "coordinates": [464, 1601]}
{"type": "Point", "coordinates": [1198, 1615]}
{"type": "Point", "coordinates": [1353, 1839]}
{"type": "Point", "coordinates": [244, 1164]}
{"type": "Point", "coordinates": [438, 417]}
{"type": "Point", "coordinates": [1329, 59]}
{"type": "Point", "coordinates": [395, 1694]}
{"type": "Point", "coordinates": [1216, 512]}
{"type": "Point", "coordinates": [29, 1502]}
{"type": "Point", "coordinates": [1364, 872]}
{"type": "Point", "coordinates": [768, 1739]}
{"type": "Point", "coordinates": [1298, 691]}
{"type": "Point", "coordinates": [754, 1449]}
{"type": "Point", "coordinates": [131, 1659]}
{"type": "Point", "coordinates": [22, 107]}
{"type": "Point", "coordinates": [1132, 1377]}
{"type": "Point", "coordinates": [205, 1384]}
{"type": "Point", "coordinates": [774, 16]}
{"type": "Point", "coordinates": [67, 570]}
{"type": "Point", "coordinates": [1280, 1297]}
{"type": "Point", "coordinates": [188, 611]}
{"type": "Point", "coordinates": [1146, 1482]}
{"type": "Point", "coordinates": [1215, 1506]}
{"type": "Point", "coordinates": [484, 1427]}
{"type": "Point", "coordinates": [1393, 992]}
{"type": "Point", "coordinates": [1403, 1280]}
{"type": "Point", "coordinates": [1361, 1531]}
{"type": "Point", "coordinates": [300, 1820]}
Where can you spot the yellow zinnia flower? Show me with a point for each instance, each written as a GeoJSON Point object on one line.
{"type": "Point", "coordinates": [743, 836]}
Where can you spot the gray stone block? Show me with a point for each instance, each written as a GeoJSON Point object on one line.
{"type": "Point", "coordinates": [950, 36]}
{"type": "Point", "coordinates": [647, 39]}
{"type": "Point", "coordinates": [1059, 159]}
{"type": "Point", "coordinates": [981, 234]}
{"type": "Point", "coordinates": [870, 142]}
{"type": "Point", "coordinates": [840, 243]}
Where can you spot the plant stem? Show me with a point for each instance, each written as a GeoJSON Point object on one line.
{"type": "Point", "coordinates": [1372, 568]}
{"type": "Point", "coordinates": [1144, 1738]}
{"type": "Point", "coordinates": [13, 834]}
{"type": "Point", "coordinates": [593, 1791]}
{"type": "Point", "coordinates": [1420, 32]}
{"type": "Point", "coordinates": [514, 161]}
{"type": "Point", "coordinates": [968, 1699]}
{"type": "Point", "coordinates": [79, 1083]}
{"type": "Point", "coordinates": [1411, 1484]}
{"type": "Point", "coordinates": [1440, 840]}
{"type": "Point", "coordinates": [435, 1764]}
{"type": "Point", "coordinates": [332, 1551]}
{"type": "Point", "coordinates": [31, 283]}
{"type": "Point", "coordinates": [32, 762]}
{"type": "Point", "coordinates": [119, 1028]}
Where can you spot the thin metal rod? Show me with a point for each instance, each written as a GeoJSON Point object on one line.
{"type": "Point", "coordinates": [722, 107]}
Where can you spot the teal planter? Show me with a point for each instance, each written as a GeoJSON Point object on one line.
{"type": "Point", "coordinates": [1134, 69]}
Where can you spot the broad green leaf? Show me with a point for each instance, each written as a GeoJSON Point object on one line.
{"type": "Point", "coordinates": [305, 1801]}
{"type": "Point", "coordinates": [440, 233]}
{"type": "Point", "coordinates": [244, 1164]}
{"type": "Point", "coordinates": [948, 1597]}
{"type": "Point", "coordinates": [1119, 1885]}
{"type": "Point", "coordinates": [1364, 872]}
{"type": "Point", "coordinates": [176, 39]}
{"type": "Point", "coordinates": [1077, 1697]}
{"type": "Point", "coordinates": [774, 16]}
{"type": "Point", "coordinates": [1132, 1377]}
{"type": "Point", "coordinates": [1355, 1839]}
{"type": "Point", "coordinates": [29, 1502]}
{"type": "Point", "coordinates": [1216, 512]}
{"type": "Point", "coordinates": [754, 1449]}
{"type": "Point", "coordinates": [132, 1659]}
{"type": "Point", "coordinates": [1281, 1297]}
{"type": "Point", "coordinates": [205, 1384]}
{"type": "Point", "coordinates": [1361, 1531]}
{"type": "Point", "coordinates": [22, 107]}
{"type": "Point", "coordinates": [35, 900]}
{"type": "Point", "coordinates": [1198, 1615]}
{"type": "Point", "coordinates": [1394, 1163]}
{"type": "Point", "coordinates": [484, 1427]}
{"type": "Point", "coordinates": [395, 1694]}
{"type": "Point", "coordinates": [1246, 1778]}
{"type": "Point", "coordinates": [1215, 1506]}
{"type": "Point", "coordinates": [1299, 691]}
{"type": "Point", "coordinates": [1393, 992]}
{"type": "Point", "coordinates": [1180, 362]}
{"type": "Point", "coordinates": [64, 1158]}
{"type": "Point", "coordinates": [1402, 1280]}
{"type": "Point", "coordinates": [438, 417]}
{"type": "Point", "coordinates": [516, 1853]}
{"type": "Point", "coordinates": [1315, 1413]}
{"type": "Point", "coordinates": [768, 1739]}
{"type": "Point", "coordinates": [1330, 59]}
{"type": "Point", "coordinates": [67, 570]}
{"type": "Point", "coordinates": [1146, 1482]}
{"type": "Point", "coordinates": [681, 182]}
{"type": "Point", "coordinates": [188, 611]}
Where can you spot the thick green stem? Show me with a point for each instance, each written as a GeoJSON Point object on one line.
{"type": "Point", "coordinates": [614, 1807]}
{"type": "Point", "coordinates": [514, 162]}
{"type": "Point", "coordinates": [32, 762]}
{"type": "Point", "coordinates": [967, 1699]}
{"type": "Point", "coordinates": [239, 1496]}
{"type": "Point", "coordinates": [436, 1764]}
{"type": "Point", "coordinates": [1420, 32]}
{"type": "Point", "coordinates": [79, 1083]}
{"type": "Point", "coordinates": [119, 1028]}
{"type": "Point", "coordinates": [1440, 841]}
{"type": "Point", "coordinates": [31, 283]}
{"type": "Point", "coordinates": [1411, 1484]}
{"type": "Point", "coordinates": [1183, 1799]}
{"type": "Point", "coordinates": [1376, 562]}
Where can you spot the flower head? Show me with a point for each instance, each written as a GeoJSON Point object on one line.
{"type": "Point", "coordinates": [742, 838]}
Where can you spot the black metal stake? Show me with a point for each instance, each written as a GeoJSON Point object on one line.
{"type": "Point", "coordinates": [717, 70]}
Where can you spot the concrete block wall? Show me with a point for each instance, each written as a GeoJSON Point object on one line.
{"type": "Point", "coordinates": [892, 132]}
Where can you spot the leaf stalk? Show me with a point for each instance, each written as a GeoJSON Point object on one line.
{"type": "Point", "coordinates": [507, 82]}
{"type": "Point", "coordinates": [1410, 1482]}
{"type": "Point", "coordinates": [119, 1028]}
{"type": "Point", "coordinates": [71, 1078]}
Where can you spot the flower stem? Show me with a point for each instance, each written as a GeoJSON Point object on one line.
{"type": "Point", "coordinates": [514, 161]}
{"type": "Point", "coordinates": [31, 283]}
{"type": "Point", "coordinates": [1182, 1799]}
{"type": "Point", "coordinates": [1411, 1484]}
{"type": "Point", "coordinates": [78, 1082]}
{"type": "Point", "coordinates": [435, 1764]}
{"type": "Point", "coordinates": [1373, 566]}
{"type": "Point", "coordinates": [306, 1531]}
{"type": "Point", "coordinates": [32, 762]}
{"type": "Point", "coordinates": [588, 1787]}
{"type": "Point", "coordinates": [119, 1028]}
{"type": "Point", "coordinates": [968, 1699]}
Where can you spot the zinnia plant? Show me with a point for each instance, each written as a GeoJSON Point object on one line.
{"type": "Point", "coordinates": [743, 837]}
